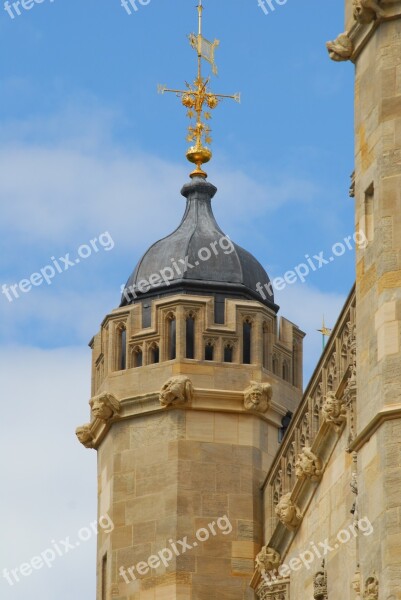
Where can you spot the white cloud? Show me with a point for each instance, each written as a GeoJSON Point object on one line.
{"type": "Point", "coordinates": [78, 182]}
{"type": "Point", "coordinates": [48, 478]}
{"type": "Point", "coordinates": [305, 306]}
{"type": "Point", "coordinates": [55, 317]}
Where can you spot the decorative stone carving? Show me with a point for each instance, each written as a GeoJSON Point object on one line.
{"type": "Point", "coordinates": [258, 396]}
{"type": "Point", "coordinates": [320, 584]}
{"type": "Point", "coordinates": [288, 513]}
{"type": "Point", "coordinates": [341, 48]}
{"type": "Point", "coordinates": [366, 11]}
{"type": "Point", "coordinates": [268, 559]}
{"type": "Point", "coordinates": [308, 465]}
{"type": "Point", "coordinates": [334, 411]}
{"type": "Point", "coordinates": [177, 390]}
{"type": "Point", "coordinates": [352, 186]}
{"type": "Point", "coordinates": [105, 406]}
{"type": "Point", "coordinates": [371, 589]}
{"type": "Point", "coordinates": [85, 436]}
{"type": "Point", "coordinates": [356, 585]}
{"type": "Point", "coordinates": [351, 385]}
{"type": "Point", "coordinates": [277, 590]}
{"type": "Point", "coordinates": [354, 488]}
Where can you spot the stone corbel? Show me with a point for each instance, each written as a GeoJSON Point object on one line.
{"type": "Point", "coordinates": [308, 465]}
{"type": "Point", "coordinates": [367, 11]}
{"type": "Point", "coordinates": [267, 560]}
{"type": "Point", "coordinates": [368, 14]}
{"type": "Point", "coordinates": [257, 397]}
{"type": "Point", "coordinates": [85, 435]}
{"type": "Point", "coordinates": [104, 407]}
{"type": "Point", "coordinates": [341, 48]}
{"type": "Point", "coordinates": [176, 391]}
{"type": "Point", "coordinates": [288, 513]}
{"type": "Point", "coordinates": [334, 411]}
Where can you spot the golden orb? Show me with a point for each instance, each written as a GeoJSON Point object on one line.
{"type": "Point", "coordinates": [212, 102]}
{"type": "Point", "coordinates": [188, 101]}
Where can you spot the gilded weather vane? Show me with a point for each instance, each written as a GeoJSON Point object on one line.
{"type": "Point", "coordinates": [199, 100]}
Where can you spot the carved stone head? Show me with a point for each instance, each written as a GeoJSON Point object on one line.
{"type": "Point", "coordinates": [177, 390]}
{"type": "Point", "coordinates": [288, 512]}
{"type": "Point", "coordinates": [105, 406]}
{"type": "Point", "coordinates": [341, 48]}
{"type": "Point", "coordinates": [366, 11]}
{"type": "Point", "coordinates": [258, 396]}
{"type": "Point", "coordinates": [308, 465]}
{"type": "Point", "coordinates": [334, 410]}
{"type": "Point", "coordinates": [268, 559]}
{"type": "Point", "coordinates": [85, 435]}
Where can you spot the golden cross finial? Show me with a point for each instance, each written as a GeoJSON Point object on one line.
{"type": "Point", "coordinates": [325, 331]}
{"type": "Point", "coordinates": [199, 100]}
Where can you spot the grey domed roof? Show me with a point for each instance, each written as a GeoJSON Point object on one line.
{"type": "Point", "coordinates": [197, 258]}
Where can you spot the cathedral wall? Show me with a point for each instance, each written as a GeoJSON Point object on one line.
{"type": "Point", "coordinates": [327, 516]}
{"type": "Point", "coordinates": [378, 213]}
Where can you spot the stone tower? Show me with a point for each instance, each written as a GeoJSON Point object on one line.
{"type": "Point", "coordinates": [191, 379]}
{"type": "Point", "coordinates": [373, 37]}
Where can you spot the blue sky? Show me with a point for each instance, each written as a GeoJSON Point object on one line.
{"type": "Point", "coordinates": [88, 146]}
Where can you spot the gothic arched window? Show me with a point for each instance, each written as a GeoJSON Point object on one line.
{"type": "Point", "coordinates": [246, 342]}
{"type": "Point", "coordinates": [172, 337]}
{"type": "Point", "coordinates": [121, 348]}
{"type": "Point", "coordinates": [190, 336]}
{"type": "Point", "coordinates": [228, 353]}
{"type": "Point", "coordinates": [209, 351]}
{"type": "Point", "coordinates": [137, 357]}
{"type": "Point", "coordinates": [154, 354]}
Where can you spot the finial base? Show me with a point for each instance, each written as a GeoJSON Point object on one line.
{"type": "Point", "coordinates": [199, 155]}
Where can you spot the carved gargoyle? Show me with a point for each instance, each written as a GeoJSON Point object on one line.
{"type": "Point", "coordinates": [268, 559]}
{"type": "Point", "coordinates": [288, 513]}
{"type": "Point", "coordinates": [341, 48]}
{"type": "Point", "coordinates": [177, 390]}
{"type": "Point", "coordinates": [105, 406]}
{"type": "Point", "coordinates": [334, 411]}
{"type": "Point", "coordinates": [258, 396]}
{"type": "Point", "coordinates": [84, 435]}
{"type": "Point", "coordinates": [366, 11]}
{"type": "Point", "coordinates": [308, 465]}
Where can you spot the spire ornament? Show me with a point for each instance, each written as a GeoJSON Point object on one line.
{"type": "Point", "coordinates": [200, 100]}
{"type": "Point", "coordinates": [326, 332]}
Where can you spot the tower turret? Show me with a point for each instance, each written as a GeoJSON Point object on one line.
{"type": "Point", "coordinates": [192, 376]}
